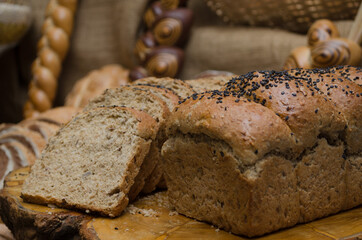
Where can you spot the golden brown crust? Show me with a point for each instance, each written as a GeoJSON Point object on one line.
{"type": "Point", "coordinates": [308, 113]}
{"type": "Point", "coordinates": [236, 170]}
{"type": "Point", "coordinates": [250, 129]}
{"type": "Point", "coordinates": [52, 49]}
{"type": "Point", "coordinates": [339, 87]}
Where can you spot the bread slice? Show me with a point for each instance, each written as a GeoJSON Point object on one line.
{"type": "Point", "coordinates": [167, 95]}
{"type": "Point", "coordinates": [209, 83]}
{"type": "Point", "coordinates": [171, 99]}
{"type": "Point", "coordinates": [181, 88]}
{"type": "Point", "coordinates": [141, 99]}
{"type": "Point", "coordinates": [91, 163]}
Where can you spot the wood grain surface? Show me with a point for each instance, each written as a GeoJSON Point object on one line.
{"type": "Point", "coordinates": [150, 217]}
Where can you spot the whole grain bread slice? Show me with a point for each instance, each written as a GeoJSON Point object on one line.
{"type": "Point", "coordinates": [180, 87]}
{"type": "Point", "coordinates": [167, 95]}
{"type": "Point", "coordinates": [91, 163]}
{"type": "Point", "coordinates": [209, 83]}
{"type": "Point", "coordinates": [141, 99]}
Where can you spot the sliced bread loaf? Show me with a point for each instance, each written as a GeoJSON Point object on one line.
{"type": "Point", "coordinates": [91, 163]}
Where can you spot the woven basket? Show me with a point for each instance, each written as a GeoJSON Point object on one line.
{"type": "Point", "coordinates": [292, 15]}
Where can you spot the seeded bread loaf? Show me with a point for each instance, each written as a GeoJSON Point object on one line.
{"type": "Point", "coordinates": [141, 99]}
{"type": "Point", "coordinates": [91, 163]}
{"type": "Point", "coordinates": [325, 159]}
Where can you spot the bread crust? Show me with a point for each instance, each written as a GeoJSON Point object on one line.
{"type": "Point", "coordinates": [249, 128]}
{"type": "Point", "coordinates": [307, 112]}
{"type": "Point", "coordinates": [339, 87]}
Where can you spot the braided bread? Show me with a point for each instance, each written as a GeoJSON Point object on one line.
{"type": "Point", "coordinates": [52, 49]}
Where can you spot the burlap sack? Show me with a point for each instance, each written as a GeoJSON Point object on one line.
{"type": "Point", "coordinates": [106, 31]}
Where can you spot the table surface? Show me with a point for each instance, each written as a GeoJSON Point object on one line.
{"type": "Point", "coordinates": [152, 218]}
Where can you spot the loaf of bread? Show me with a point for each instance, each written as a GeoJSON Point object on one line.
{"type": "Point", "coordinates": [94, 84]}
{"type": "Point", "coordinates": [268, 151]}
{"type": "Point", "coordinates": [91, 163]}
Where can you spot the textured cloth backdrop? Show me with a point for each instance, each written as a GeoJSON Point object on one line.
{"type": "Point", "coordinates": [106, 31]}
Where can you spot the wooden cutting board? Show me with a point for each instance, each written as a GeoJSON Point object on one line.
{"type": "Point", "coordinates": [148, 218]}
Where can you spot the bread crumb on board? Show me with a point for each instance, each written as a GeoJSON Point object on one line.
{"type": "Point", "coordinates": [145, 212]}
{"type": "Point", "coordinates": [173, 213]}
